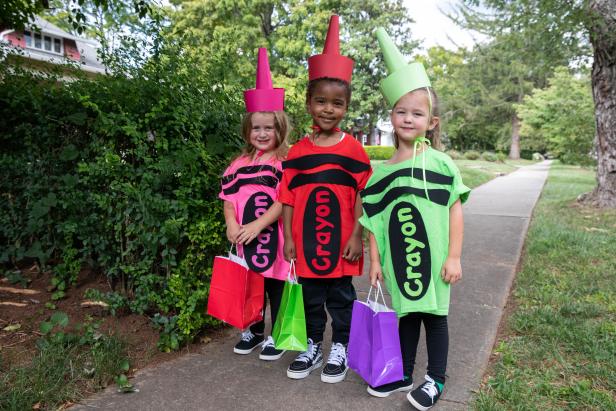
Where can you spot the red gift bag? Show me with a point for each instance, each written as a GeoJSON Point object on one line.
{"type": "Point", "coordinates": [236, 293]}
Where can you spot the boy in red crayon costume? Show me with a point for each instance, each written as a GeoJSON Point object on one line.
{"type": "Point", "coordinates": [323, 175]}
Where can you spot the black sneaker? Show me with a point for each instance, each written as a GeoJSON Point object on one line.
{"type": "Point", "coordinates": [383, 391]}
{"type": "Point", "coordinates": [426, 395]}
{"type": "Point", "coordinates": [306, 362]}
{"type": "Point", "coordinates": [248, 343]}
{"type": "Point", "coordinates": [269, 352]}
{"type": "Point", "coordinates": [336, 368]}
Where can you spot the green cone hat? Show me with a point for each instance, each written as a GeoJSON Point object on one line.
{"type": "Point", "coordinates": [403, 77]}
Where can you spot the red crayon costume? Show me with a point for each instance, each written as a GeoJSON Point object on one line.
{"type": "Point", "coordinates": [321, 183]}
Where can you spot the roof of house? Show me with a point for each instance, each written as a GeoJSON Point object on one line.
{"type": "Point", "coordinates": [87, 48]}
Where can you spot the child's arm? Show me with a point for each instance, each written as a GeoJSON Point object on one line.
{"type": "Point", "coordinates": [233, 228]}
{"type": "Point", "coordinates": [251, 230]}
{"type": "Point", "coordinates": [352, 250]}
{"type": "Point", "coordinates": [452, 269]}
{"type": "Point", "coordinates": [287, 221]}
{"type": "Point", "coordinates": [376, 271]}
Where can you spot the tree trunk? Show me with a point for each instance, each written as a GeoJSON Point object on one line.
{"type": "Point", "coordinates": [514, 151]}
{"type": "Point", "coordinates": [602, 27]}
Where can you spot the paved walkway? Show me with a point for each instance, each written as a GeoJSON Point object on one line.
{"type": "Point", "coordinates": [496, 220]}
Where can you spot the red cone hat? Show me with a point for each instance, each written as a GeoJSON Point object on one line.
{"type": "Point", "coordinates": [264, 97]}
{"type": "Point", "coordinates": [331, 64]}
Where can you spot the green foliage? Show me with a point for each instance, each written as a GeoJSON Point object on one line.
{"type": "Point", "coordinates": [501, 157]}
{"type": "Point", "coordinates": [379, 152]}
{"type": "Point", "coordinates": [454, 154]}
{"type": "Point", "coordinates": [471, 155]}
{"type": "Point", "coordinates": [560, 118]}
{"type": "Point", "coordinates": [120, 173]}
{"type": "Point", "coordinates": [489, 156]}
{"type": "Point", "coordinates": [292, 31]}
{"type": "Point", "coordinates": [66, 366]}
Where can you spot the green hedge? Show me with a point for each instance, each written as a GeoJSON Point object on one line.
{"type": "Point", "coordinates": [379, 152]}
{"type": "Point", "coordinates": [120, 173]}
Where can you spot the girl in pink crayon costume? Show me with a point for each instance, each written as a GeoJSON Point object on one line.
{"type": "Point", "coordinates": [250, 193]}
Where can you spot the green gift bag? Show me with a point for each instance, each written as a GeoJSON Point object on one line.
{"type": "Point", "coordinates": [290, 328]}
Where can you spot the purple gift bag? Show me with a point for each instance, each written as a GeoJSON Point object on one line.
{"type": "Point", "coordinates": [374, 342]}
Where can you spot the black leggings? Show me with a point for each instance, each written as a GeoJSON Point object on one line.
{"type": "Point", "coordinates": [273, 290]}
{"type": "Point", "coordinates": [437, 343]}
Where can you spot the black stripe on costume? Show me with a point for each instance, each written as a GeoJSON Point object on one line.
{"type": "Point", "coordinates": [334, 176]}
{"type": "Point", "coordinates": [431, 177]}
{"type": "Point", "coordinates": [315, 160]}
{"type": "Point", "coordinates": [251, 170]}
{"type": "Point", "coordinates": [262, 181]}
{"type": "Point", "coordinates": [437, 195]}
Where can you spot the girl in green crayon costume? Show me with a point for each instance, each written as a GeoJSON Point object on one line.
{"type": "Point", "coordinates": [412, 209]}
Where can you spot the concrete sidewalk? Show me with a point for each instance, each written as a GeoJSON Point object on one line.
{"type": "Point", "coordinates": [496, 219]}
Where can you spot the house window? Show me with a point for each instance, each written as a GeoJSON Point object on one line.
{"type": "Point", "coordinates": [43, 42]}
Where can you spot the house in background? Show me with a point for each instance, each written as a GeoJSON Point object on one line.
{"type": "Point", "coordinates": [42, 43]}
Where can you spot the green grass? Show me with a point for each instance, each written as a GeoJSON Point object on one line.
{"type": "Point", "coordinates": [477, 172]}
{"type": "Point", "coordinates": [65, 368]}
{"type": "Point", "coordinates": [558, 351]}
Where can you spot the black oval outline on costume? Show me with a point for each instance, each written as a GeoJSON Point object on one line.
{"type": "Point", "coordinates": [398, 250]}
{"type": "Point", "coordinates": [436, 195]}
{"type": "Point", "coordinates": [251, 170]}
{"type": "Point", "coordinates": [309, 235]}
{"type": "Point", "coordinates": [268, 181]}
{"type": "Point", "coordinates": [333, 176]}
{"type": "Point", "coordinates": [251, 248]}
{"type": "Point", "coordinates": [417, 173]}
{"type": "Point", "coordinates": [314, 160]}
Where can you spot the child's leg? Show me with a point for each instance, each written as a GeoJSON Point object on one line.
{"type": "Point", "coordinates": [314, 291]}
{"type": "Point", "coordinates": [259, 327]}
{"type": "Point", "coordinates": [275, 289]}
{"type": "Point", "coordinates": [437, 343]}
{"type": "Point", "coordinates": [340, 297]}
{"type": "Point", "coordinates": [409, 328]}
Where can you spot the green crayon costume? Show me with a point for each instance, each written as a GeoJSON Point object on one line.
{"type": "Point", "coordinates": [406, 206]}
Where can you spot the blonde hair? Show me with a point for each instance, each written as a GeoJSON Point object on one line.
{"type": "Point", "coordinates": [282, 127]}
{"type": "Point", "coordinates": [433, 135]}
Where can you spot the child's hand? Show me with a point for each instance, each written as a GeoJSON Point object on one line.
{"type": "Point", "coordinates": [376, 272]}
{"type": "Point", "coordinates": [289, 250]}
{"type": "Point", "coordinates": [353, 248]}
{"type": "Point", "coordinates": [249, 232]}
{"type": "Point", "coordinates": [233, 231]}
{"type": "Point", "coordinates": [452, 270]}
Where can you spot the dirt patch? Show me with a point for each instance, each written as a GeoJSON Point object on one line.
{"type": "Point", "coordinates": [23, 309]}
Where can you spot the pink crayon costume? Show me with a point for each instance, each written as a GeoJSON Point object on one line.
{"type": "Point", "coordinates": [252, 185]}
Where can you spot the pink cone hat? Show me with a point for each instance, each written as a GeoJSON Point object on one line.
{"type": "Point", "coordinates": [264, 97]}
{"type": "Point", "coordinates": [331, 63]}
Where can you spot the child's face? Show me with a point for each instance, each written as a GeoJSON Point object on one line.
{"type": "Point", "coordinates": [263, 131]}
{"type": "Point", "coordinates": [327, 104]}
{"type": "Point", "coordinates": [411, 116]}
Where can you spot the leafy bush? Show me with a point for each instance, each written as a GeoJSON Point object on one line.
{"type": "Point", "coordinates": [489, 156]}
{"type": "Point", "coordinates": [471, 155]}
{"type": "Point", "coordinates": [455, 155]}
{"type": "Point", "coordinates": [501, 157]}
{"type": "Point", "coordinates": [538, 157]}
{"type": "Point", "coordinates": [120, 173]}
{"type": "Point", "coordinates": [379, 152]}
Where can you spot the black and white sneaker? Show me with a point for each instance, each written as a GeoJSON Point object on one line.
{"type": "Point", "coordinates": [269, 351]}
{"type": "Point", "coordinates": [385, 390]}
{"type": "Point", "coordinates": [426, 395]}
{"type": "Point", "coordinates": [306, 362]}
{"type": "Point", "coordinates": [336, 368]}
{"type": "Point", "coordinates": [247, 343]}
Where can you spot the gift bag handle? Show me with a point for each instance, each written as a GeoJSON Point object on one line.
{"type": "Point", "coordinates": [379, 289]}
{"type": "Point", "coordinates": [237, 251]}
{"type": "Point", "coordinates": [292, 279]}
